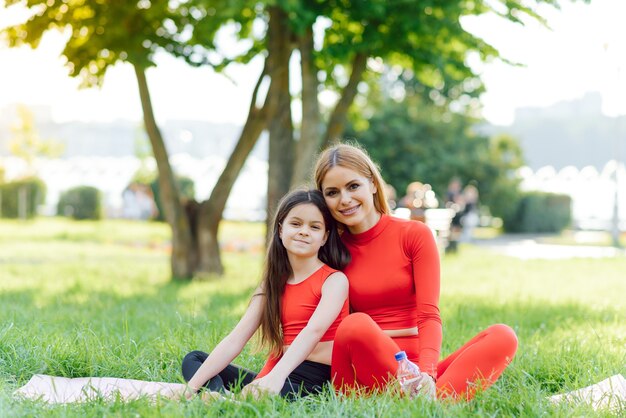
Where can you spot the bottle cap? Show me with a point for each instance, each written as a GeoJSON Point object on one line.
{"type": "Point", "coordinates": [400, 355]}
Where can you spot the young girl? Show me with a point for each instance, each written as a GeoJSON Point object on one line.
{"type": "Point", "coordinates": [300, 302]}
{"type": "Point", "coordinates": [394, 291]}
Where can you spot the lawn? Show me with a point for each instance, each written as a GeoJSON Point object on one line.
{"type": "Point", "coordinates": [95, 299]}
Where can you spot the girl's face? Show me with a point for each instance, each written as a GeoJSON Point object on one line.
{"type": "Point", "coordinates": [350, 198]}
{"type": "Point", "coordinates": [303, 230]}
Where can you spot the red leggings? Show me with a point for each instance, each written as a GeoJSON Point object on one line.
{"type": "Point", "coordinates": [363, 356]}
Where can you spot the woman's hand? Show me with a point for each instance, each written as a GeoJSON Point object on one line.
{"type": "Point", "coordinates": [426, 387]}
{"type": "Point", "coordinates": [266, 385]}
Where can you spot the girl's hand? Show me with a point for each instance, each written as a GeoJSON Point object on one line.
{"type": "Point", "coordinates": [209, 396]}
{"type": "Point", "coordinates": [189, 393]}
{"type": "Point", "coordinates": [267, 385]}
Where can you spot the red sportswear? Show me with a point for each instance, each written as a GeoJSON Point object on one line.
{"type": "Point", "coordinates": [394, 278]}
{"type": "Point", "coordinates": [394, 284]}
{"type": "Point", "coordinates": [300, 300]}
{"type": "Point", "coordinates": [298, 303]}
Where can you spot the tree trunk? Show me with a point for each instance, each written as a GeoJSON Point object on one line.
{"type": "Point", "coordinates": [281, 154]}
{"type": "Point", "coordinates": [210, 215]}
{"type": "Point", "coordinates": [310, 130]}
{"type": "Point", "coordinates": [184, 253]}
{"type": "Point", "coordinates": [210, 212]}
{"type": "Point", "coordinates": [22, 202]}
{"type": "Point", "coordinates": [337, 121]}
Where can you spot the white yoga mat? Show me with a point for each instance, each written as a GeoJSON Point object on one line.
{"type": "Point", "coordinates": [608, 394]}
{"type": "Point", "coordinates": [54, 389]}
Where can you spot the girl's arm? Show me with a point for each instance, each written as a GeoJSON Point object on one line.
{"type": "Point", "coordinates": [231, 346]}
{"type": "Point", "coordinates": [334, 295]}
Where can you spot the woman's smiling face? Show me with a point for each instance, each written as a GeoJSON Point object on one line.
{"type": "Point", "coordinates": [350, 198]}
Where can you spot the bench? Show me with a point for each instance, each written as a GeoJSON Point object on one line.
{"type": "Point", "coordinates": [438, 220]}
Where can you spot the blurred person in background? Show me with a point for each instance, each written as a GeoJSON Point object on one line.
{"type": "Point", "coordinates": [470, 217]}
{"type": "Point", "coordinates": [454, 201]}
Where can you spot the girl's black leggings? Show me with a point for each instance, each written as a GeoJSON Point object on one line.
{"type": "Point", "coordinates": [308, 378]}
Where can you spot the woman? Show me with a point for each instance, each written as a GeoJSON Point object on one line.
{"type": "Point", "coordinates": [394, 292]}
{"type": "Point", "coordinates": [300, 302]}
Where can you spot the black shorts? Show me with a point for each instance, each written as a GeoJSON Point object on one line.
{"type": "Point", "coordinates": [307, 378]}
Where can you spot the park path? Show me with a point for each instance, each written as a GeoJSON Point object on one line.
{"type": "Point", "coordinates": [529, 246]}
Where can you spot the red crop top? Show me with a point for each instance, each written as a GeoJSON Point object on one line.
{"type": "Point", "coordinates": [394, 278]}
{"type": "Point", "coordinates": [300, 300]}
{"type": "Point", "coordinates": [298, 303]}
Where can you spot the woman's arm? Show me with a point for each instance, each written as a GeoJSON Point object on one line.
{"type": "Point", "coordinates": [426, 276]}
{"type": "Point", "coordinates": [231, 346]}
{"type": "Point", "coordinates": [334, 295]}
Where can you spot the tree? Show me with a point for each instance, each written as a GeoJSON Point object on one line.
{"type": "Point", "coordinates": [360, 36]}
{"type": "Point", "coordinates": [27, 145]}
{"type": "Point", "coordinates": [102, 33]}
{"type": "Point", "coordinates": [26, 142]}
{"type": "Point", "coordinates": [99, 35]}
{"type": "Point", "coordinates": [428, 39]}
{"type": "Point", "coordinates": [429, 143]}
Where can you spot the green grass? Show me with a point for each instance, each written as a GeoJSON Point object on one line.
{"type": "Point", "coordinates": [94, 299]}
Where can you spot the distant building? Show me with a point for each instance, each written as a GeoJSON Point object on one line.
{"type": "Point", "coordinates": [118, 138]}
{"type": "Point", "coordinates": [569, 133]}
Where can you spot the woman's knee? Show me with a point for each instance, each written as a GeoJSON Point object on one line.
{"type": "Point", "coordinates": [353, 326]}
{"type": "Point", "coordinates": [505, 338]}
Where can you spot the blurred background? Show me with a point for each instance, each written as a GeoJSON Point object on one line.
{"type": "Point", "coordinates": [511, 112]}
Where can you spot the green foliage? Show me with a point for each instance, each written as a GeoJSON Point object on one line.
{"type": "Point", "coordinates": [141, 146]}
{"type": "Point", "coordinates": [95, 299]}
{"type": "Point", "coordinates": [33, 189]}
{"type": "Point", "coordinates": [26, 143]}
{"type": "Point", "coordinates": [101, 33]}
{"type": "Point", "coordinates": [540, 212]}
{"type": "Point", "coordinates": [427, 38]}
{"type": "Point", "coordinates": [145, 174]}
{"type": "Point", "coordinates": [185, 186]}
{"type": "Point", "coordinates": [500, 189]}
{"type": "Point", "coordinates": [82, 202]}
{"type": "Point", "coordinates": [414, 139]}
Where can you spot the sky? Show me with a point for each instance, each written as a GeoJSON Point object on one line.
{"type": "Point", "coordinates": [585, 51]}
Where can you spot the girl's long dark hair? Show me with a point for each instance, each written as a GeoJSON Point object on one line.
{"type": "Point", "coordinates": [277, 268]}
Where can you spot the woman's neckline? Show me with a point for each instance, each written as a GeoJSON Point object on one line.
{"type": "Point", "coordinates": [371, 233]}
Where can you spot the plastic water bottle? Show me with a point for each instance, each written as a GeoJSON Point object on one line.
{"type": "Point", "coordinates": [408, 374]}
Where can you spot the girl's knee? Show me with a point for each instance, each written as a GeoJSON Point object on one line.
{"type": "Point", "coordinates": [193, 356]}
{"type": "Point", "coordinates": [191, 362]}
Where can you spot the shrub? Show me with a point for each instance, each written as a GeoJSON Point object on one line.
{"type": "Point", "coordinates": [82, 202]}
{"type": "Point", "coordinates": [540, 212]}
{"type": "Point", "coordinates": [35, 193]}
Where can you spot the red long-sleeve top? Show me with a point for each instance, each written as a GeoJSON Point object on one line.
{"type": "Point", "coordinates": [394, 278]}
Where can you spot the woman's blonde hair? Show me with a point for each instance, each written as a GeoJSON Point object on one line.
{"type": "Point", "coordinates": [354, 158]}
